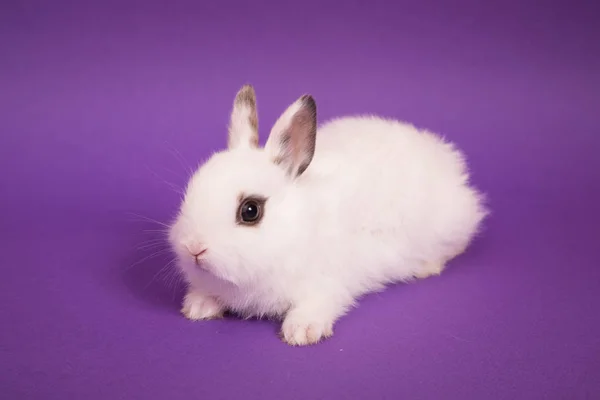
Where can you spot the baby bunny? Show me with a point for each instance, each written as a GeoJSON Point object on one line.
{"type": "Point", "coordinates": [302, 228]}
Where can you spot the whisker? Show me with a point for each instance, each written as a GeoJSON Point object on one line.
{"type": "Point", "coordinates": [171, 185]}
{"type": "Point", "coordinates": [165, 231]}
{"type": "Point", "coordinates": [173, 277]}
{"type": "Point", "coordinates": [153, 246]}
{"type": "Point", "coordinates": [152, 241]}
{"type": "Point", "coordinates": [160, 271]}
{"type": "Point", "coordinates": [169, 170]}
{"type": "Point", "coordinates": [175, 281]}
{"type": "Point", "coordinates": [153, 255]}
{"type": "Point", "coordinates": [182, 161]}
{"type": "Point", "coordinates": [148, 219]}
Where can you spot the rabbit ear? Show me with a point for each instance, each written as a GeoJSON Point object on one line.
{"type": "Point", "coordinates": [291, 143]}
{"type": "Point", "coordinates": [243, 125]}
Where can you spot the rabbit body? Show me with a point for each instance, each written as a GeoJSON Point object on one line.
{"type": "Point", "coordinates": [362, 203]}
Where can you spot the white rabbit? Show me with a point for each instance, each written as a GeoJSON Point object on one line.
{"type": "Point", "coordinates": [300, 229]}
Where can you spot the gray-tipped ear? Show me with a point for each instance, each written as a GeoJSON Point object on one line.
{"type": "Point", "coordinates": [292, 141]}
{"type": "Point", "coordinates": [243, 125]}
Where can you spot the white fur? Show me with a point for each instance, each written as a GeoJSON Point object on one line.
{"type": "Point", "coordinates": [381, 202]}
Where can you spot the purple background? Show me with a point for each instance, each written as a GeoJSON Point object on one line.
{"type": "Point", "coordinates": [104, 108]}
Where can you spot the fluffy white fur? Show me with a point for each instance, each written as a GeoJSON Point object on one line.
{"type": "Point", "coordinates": [381, 202]}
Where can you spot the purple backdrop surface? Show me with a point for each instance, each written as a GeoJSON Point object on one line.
{"type": "Point", "coordinates": [105, 108]}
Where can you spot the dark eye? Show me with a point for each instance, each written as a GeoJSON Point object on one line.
{"type": "Point", "coordinates": [250, 211]}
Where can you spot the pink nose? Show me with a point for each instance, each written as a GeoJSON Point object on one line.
{"type": "Point", "coordinates": [196, 249]}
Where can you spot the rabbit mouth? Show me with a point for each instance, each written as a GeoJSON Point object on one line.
{"type": "Point", "coordinates": [205, 267]}
{"type": "Point", "coordinates": [201, 263]}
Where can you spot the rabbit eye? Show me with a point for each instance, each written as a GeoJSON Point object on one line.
{"type": "Point", "coordinates": [250, 211]}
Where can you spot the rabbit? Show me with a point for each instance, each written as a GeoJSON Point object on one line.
{"type": "Point", "coordinates": [300, 229]}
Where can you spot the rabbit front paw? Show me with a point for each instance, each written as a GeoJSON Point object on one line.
{"type": "Point", "coordinates": [198, 306]}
